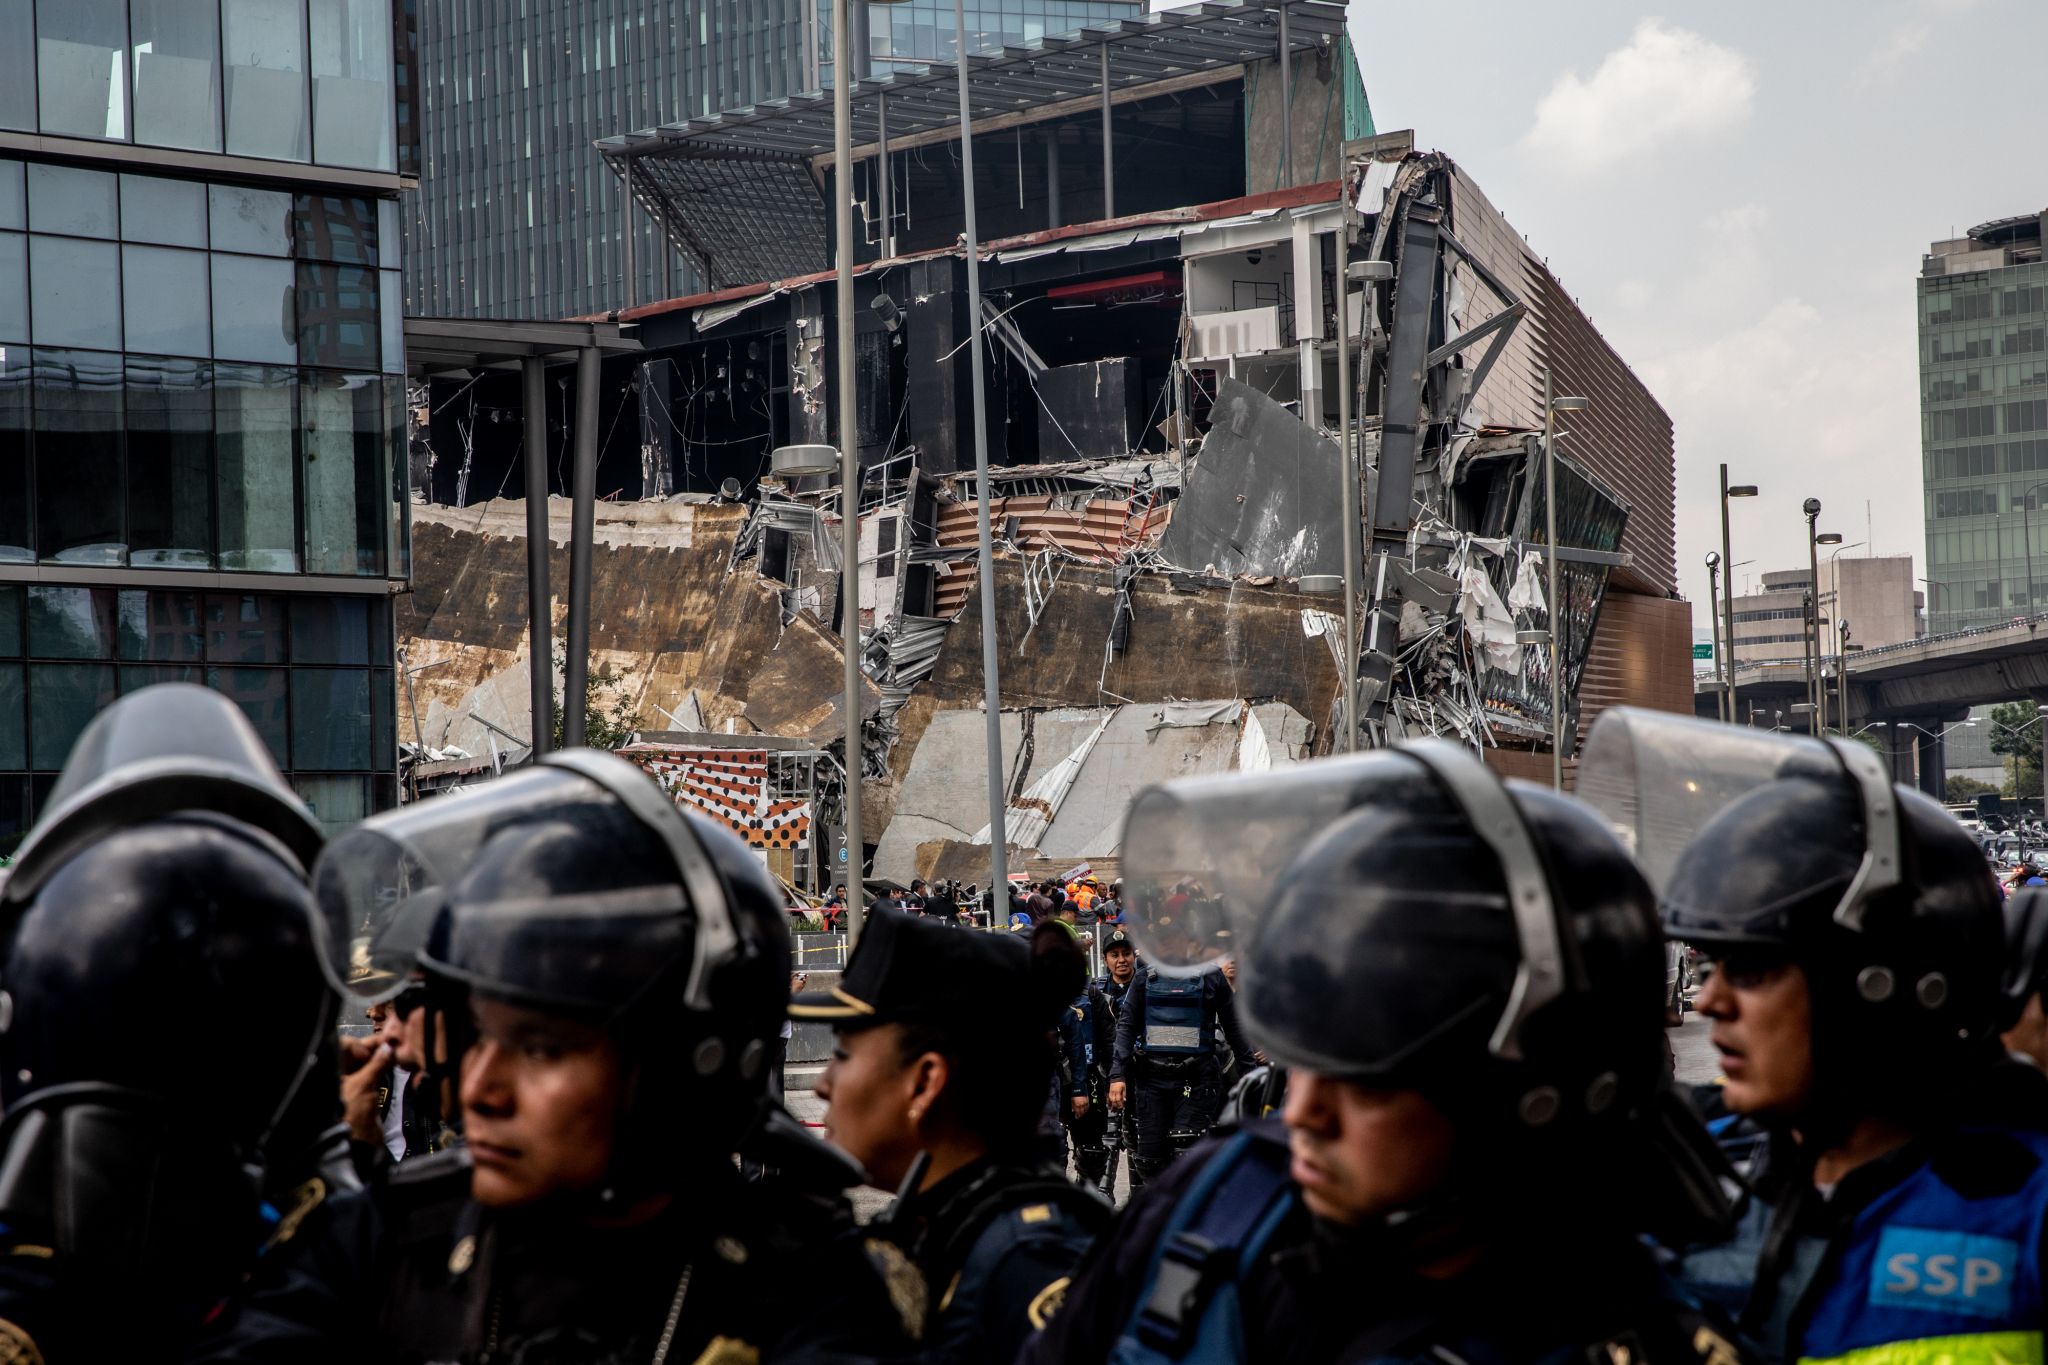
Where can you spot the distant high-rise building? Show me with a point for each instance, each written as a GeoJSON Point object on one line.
{"type": "Point", "coordinates": [1984, 423]}
{"type": "Point", "coordinates": [517, 216]}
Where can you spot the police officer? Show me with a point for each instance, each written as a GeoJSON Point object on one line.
{"type": "Point", "coordinates": [1465, 980]}
{"type": "Point", "coordinates": [166, 1038]}
{"type": "Point", "coordinates": [1119, 1132]}
{"type": "Point", "coordinates": [2023, 1022]}
{"type": "Point", "coordinates": [1087, 1039]}
{"type": "Point", "coordinates": [1165, 1065]}
{"type": "Point", "coordinates": [612, 974]}
{"type": "Point", "coordinates": [944, 1050]}
{"type": "Point", "coordinates": [1857, 944]}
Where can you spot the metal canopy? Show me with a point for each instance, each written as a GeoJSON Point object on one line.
{"type": "Point", "coordinates": [740, 192]}
{"type": "Point", "coordinates": [437, 345]}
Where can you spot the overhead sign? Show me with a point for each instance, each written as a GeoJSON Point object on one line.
{"type": "Point", "coordinates": [1702, 651]}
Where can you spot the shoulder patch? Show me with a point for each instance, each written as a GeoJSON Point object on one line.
{"type": "Point", "coordinates": [17, 1347]}
{"type": "Point", "coordinates": [305, 1199]}
{"type": "Point", "coordinates": [1935, 1270]}
{"type": "Point", "coordinates": [904, 1281]}
{"type": "Point", "coordinates": [726, 1351]}
{"type": "Point", "coordinates": [1048, 1302]}
{"type": "Point", "coordinates": [463, 1256]}
{"type": "Point", "coordinates": [1035, 1213]}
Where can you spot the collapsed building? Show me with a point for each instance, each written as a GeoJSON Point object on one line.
{"type": "Point", "coordinates": [1163, 313]}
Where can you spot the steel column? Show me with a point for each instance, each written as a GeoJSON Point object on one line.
{"type": "Point", "coordinates": [1727, 600]}
{"type": "Point", "coordinates": [849, 462]}
{"type": "Point", "coordinates": [1108, 142]}
{"type": "Point", "coordinates": [540, 663]}
{"type": "Point", "coordinates": [582, 523]}
{"type": "Point", "coordinates": [1347, 462]}
{"type": "Point", "coordinates": [1286, 102]}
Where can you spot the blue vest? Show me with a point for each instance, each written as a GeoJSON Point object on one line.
{"type": "Point", "coordinates": [1922, 1275]}
{"type": "Point", "coordinates": [1176, 1023]}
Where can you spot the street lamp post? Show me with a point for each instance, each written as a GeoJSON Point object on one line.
{"type": "Point", "coordinates": [1551, 407]}
{"type": "Point", "coordinates": [1714, 614]}
{"type": "Point", "coordinates": [1842, 649]}
{"type": "Point", "coordinates": [1741, 490]}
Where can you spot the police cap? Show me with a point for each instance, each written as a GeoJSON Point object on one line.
{"type": "Point", "coordinates": [909, 969]}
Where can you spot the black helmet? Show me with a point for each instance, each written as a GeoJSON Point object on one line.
{"type": "Point", "coordinates": [2026, 953]}
{"type": "Point", "coordinates": [578, 887]}
{"type": "Point", "coordinates": [1806, 848]}
{"type": "Point", "coordinates": [1402, 918]}
{"type": "Point", "coordinates": [162, 899]}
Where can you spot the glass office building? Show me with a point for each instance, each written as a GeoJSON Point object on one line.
{"type": "Point", "coordinates": [518, 217]}
{"type": "Point", "coordinates": [1983, 301]}
{"type": "Point", "coordinates": [202, 395]}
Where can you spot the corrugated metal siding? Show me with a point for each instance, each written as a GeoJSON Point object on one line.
{"type": "Point", "coordinates": [1101, 530]}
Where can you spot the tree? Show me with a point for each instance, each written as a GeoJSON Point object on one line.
{"type": "Point", "coordinates": [606, 725]}
{"type": "Point", "coordinates": [1962, 790]}
{"type": "Point", "coordinates": [2016, 737]}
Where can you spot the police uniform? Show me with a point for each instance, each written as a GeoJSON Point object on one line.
{"type": "Point", "coordinates": [996, 1240]}
{"type": "Point", "coordinates": [1166, 1058]}
{"type": "Point", "coordinates": [1087, 1039]}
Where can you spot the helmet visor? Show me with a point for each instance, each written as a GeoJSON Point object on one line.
{"type": "Point", "coordinates": [1658, 779]}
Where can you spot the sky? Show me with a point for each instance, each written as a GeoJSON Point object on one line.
{"type": "Point", "coordinates": [1739, 195]}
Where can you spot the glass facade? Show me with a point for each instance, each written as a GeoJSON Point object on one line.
{"type": "Point", "coordinates": [1984, 439]}
{"type": "Point", "coordinates": [315, 81]}
{"type": "Point", "coordinates": [516, 218]}
{"type": "Point", "coordinates": [313, 674]}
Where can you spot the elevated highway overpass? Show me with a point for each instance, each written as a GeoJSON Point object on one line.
{"type": "Point", "coordinates": [1903, 694]}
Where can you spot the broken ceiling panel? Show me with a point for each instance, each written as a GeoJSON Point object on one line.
{"type": "Point", "coordinates": [1263, 498]}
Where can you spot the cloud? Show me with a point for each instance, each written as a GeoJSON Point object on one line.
{"type": "Point", "coordinates": [1667, 83]}
{"type": "Point", "coordinates": [1907, 37]}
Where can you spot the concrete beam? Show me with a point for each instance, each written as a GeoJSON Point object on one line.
{"type": "Point", "coordinates": [2014, 675]}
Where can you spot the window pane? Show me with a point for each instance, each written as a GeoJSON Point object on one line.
{"type": "Point", "coordinates": [13, 287]}
{"type": "Point", "coordinates": [330, 630]}
{"type": "Point", "coordinates": [71, 201]}
{"type": "Point", "coordinates": [383, 723]}
{"type": "Point", "coordinates": [71, 623]}
{"type": "Point", "coordinates": [82, 67]}
{"type": "Point", "coordinates": [352, 84]}
{"type": "Point", "coordinates": [78, 427]}
{"type": "Point", "coordinates": [333, 227]}
{"type": "Point", "coordinates": [330, 719]}
{"type": "Point", "coordinates": [170, 463]}
{"type": "Point", "coordinates": [17, 65]}
{"type": "Point", "coordinates": [14, 802]}
{"type": "Point", "coordinates": [266, 47]}
{"type": "Point", "coordinates": [13, 724]}
{"type": "Point", "coordinates": [14, 428]}
{"type": "Point", "coordinates": [167, 212]}
{"type": "Point", "coordinates": [254, 222]}
{"type": "Point", "coordinates": [337, 802]}
{"type": "Point", "coordinates": [260, 692]}
{"type": "Point", "coordinates": [337, 311]}
{"type": "Point", "coordinates": [63, 699]}
{"type": "Point", "coordinates": [75, 292]}
{"type": "Point", "coordinates": [162, 626]}
{"type": "Point", "coordinates": [164, 306]}
{"type": "Point", "coordinates": [244, 628]}
{"type": "Point", "coordinates": [393, 319]}
{"type": "Point", "coordinates": [344, 454]}
{"type": "Point", "coordinates": [10, 622]}
{"type": "Point", "coordinates": [135, 677]}
{"type": "Point", "coordinates": [177, 73]}
{"type": "Point", "coordinates": [252, 310]}
{"type": "Point", "coordinates": [401, 478]}
{"type": "Point", "coordinates": [13, 197]}
{"type": "Point", "coordinates": [253, 413]}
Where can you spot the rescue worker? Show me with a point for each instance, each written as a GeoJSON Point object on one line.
{"type": "Point", "coordinates": [1087, 1039]}
{"type": "Point", "coordinates": [166, 1038]}
{"type": "Point", "coordinates": [1465, 980]}
{"type": "Point", "coordinates": [612, 974]}
{"type": "Point", "coordinates": [1165, 1065]}
{"type": "Point", "coordinates": [943, 1052]}
{"type": "Point", "coordinates": [1856, 937]}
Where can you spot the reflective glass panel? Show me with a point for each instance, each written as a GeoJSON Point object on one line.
{"type": "Point", "coordinates": [263, 695]}
{"type": "Point", "coordinates": [13, 287]}
{"type": "Point", "coordinates": [77, 203]}
{"type": "Point", "coordinates": [75, 292]}
{"type": "Point", "coordinates": [166, 212]}
{"type": "Point", "coordinates": [395, 434]}
{"type": "Point", "coordinates": [255, 421]}
{"type": "Point", "coordinates": [161, 626]}
{"type": "Point", "coordinates": [335, 227]}
{"type": "Point", "coordinates": [13, 196]}
{"type": "Point", "coordinates": [63, 699]}
{"type": "Point", "coordinates": [71, 623]}
{"type": "Point", "coordinates": [15, 424]}
{"type": "Point", "coordinates": [244, 628]}
{"type": "Point", "coordinates": [337, 312]}
{"type": "Point", "coordinates": [265, 42]}
{"type": "Point", "coordinates": [78, 429]}
{"type": "Point", "coordinates": [253, 312]}
{"type": "Point", "coordinates": [177, 72]}
{"type": "Point", "coordinates": [170, 463]}
{"type": "Point", "coordinates": [393, 321]}
{"type": "Point", "coordinates": [17, 64]}
{"type": "Point", "coordinates": [13, 719]}
{"type": "Point", "coordinates": [331, 720]}
{"type": "Point", "coordinates": [252, 222]}
{"type": "Point", "coordinates": [344, 454]}
{"type": "Point", "coordinates": [337, 802]}
{"type": "Point", "coordinates": [82, 67]}
{"type": "Point", "coordinates": [330, 630]}
{"type": "Point", "coordinates": [164, 306]}
{"type": "Point", "coordinates": [10, 621]}
{"type": "Point", "coordinates": [352, 95]}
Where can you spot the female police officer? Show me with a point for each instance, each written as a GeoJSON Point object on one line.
{"type": "Point", "coordinates": [1465, 981]}
{"type": "Point", "coordinates": [1897, 1213]}
{"type": "Point", "coordinates": [943, 1057]}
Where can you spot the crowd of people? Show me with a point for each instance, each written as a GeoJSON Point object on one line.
{"type": "Point", "coordinates": [1438, 997]}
